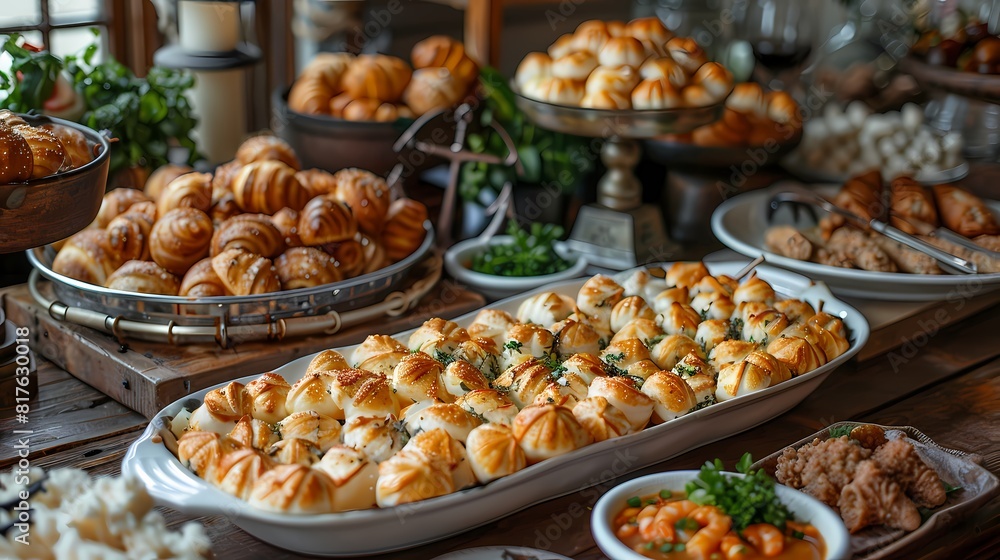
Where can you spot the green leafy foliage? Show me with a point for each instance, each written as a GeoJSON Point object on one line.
{"type": "Point", "coordinates": [748, 499]}
{"type": "Point", "coordinates": [531, 253]}
{"type": "Point", "coordinates": [31, 79]}
{"type": "Point", "coordinates": [548, 158]}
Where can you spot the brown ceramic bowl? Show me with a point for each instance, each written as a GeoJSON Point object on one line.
{"type": "Point", "coordinates": [44, 210]}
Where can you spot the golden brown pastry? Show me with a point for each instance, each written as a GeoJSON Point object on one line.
{"type": "Point", "coordinates": [306, 267]}
{"type": "Point", "coordinates": [310, 94]}
{"type": "Point", "coordinates": [913, 201]}
{"type": "Point", "coordinates": [964, 213]}
{"type": "Point", "coordinates": [433, 88]}
{"type": "Point", "coordinates": [145, 277]}
{"type": "Point", "coordinates": [590, 36]}
{"type": "Point", "coordinates": [11, 119]}
{"type": "Point", "coordinates": [326, 361]}
{"type": "Point", "coordinates": [651, 32]}
{"type": "Point", "coordinates": [657, 93]}
{"type": "Point", "coordinates": [418, 378]}
{"type": "Point", "coordinates": [222, 180]}
{"type": "Point", "coordinates": [373, 253]}
{"type": "Point", "coordinates": [549, 430]}
{"type": "Point", "coordinates": [622, 51]}
{"type": "Point", "coordinates": [117, 202]}
{"type": "Point", "coordinates": [493, 452]}
{"type": "Point", "coordinates": [686, 52]}
{"type": "Point", "coordinates": [244, 273]}
{"type": "Point", "coordinates": [555, 90]}
{"type": "Point", "coordinates": [716, 79]}
{"type": "Point", "coordinates": [163, 176]}
{"type": "Point", "coordinates": [874, 498]}
{"type": "Point", "coordinates": [442, 51]}
{"type": "Point", "coordinates": [317, 181]}
{"type": "Point", "coordinates": [253, 232]}
{"type": "Point", "coordinates": [294, 489]}
{"type": "Point", "coordinates": [87, 256]}
{"type": "Point", "coordinates": [180, 238]}
{"type": "Point", "coordinates": [672, 396]}
{"type": "Point", "coordinates": [266, 147]}
{"type": "Point", "coordinates": [601, 419]}
{"type": "Point", "coordinates": [367, 195]}
{"type": "Point", "coordinates": [15, 153]}
{"type": "Point", "coordinates": [287, 222]}
{"type": "Point", "coordinates": [409, 476]}
{"type": "Point", "coordinates": [47, 152]}
{"type": "Point", "coordinates": [534, 66]}
{"type": "Point", "coordinates": [268, 186]}
{"type": "Point", "coordinates": [319, 429]}
{"type": "Point", "coordinates": [575, 66]}
{"type": "Point", "coordinates": [348, 256]}
{"type": "Point", "coordinates": [326, 220]}
{"type": "Point", "coordinates": [294, 451]}
{"type": "Point", "coordinates": [128, 236]}
{"type": "Point", "coordinates": [222, 409]}
{"type": "Point", "coordinates": [624, 395]}
{"type": "Point", "coordinates": [798, 354]}
{"type": "Point", "coordinates": [224, 209]}
{"type": "Point", "coordinates": [329, 67]}
{"type": "Point", "coordinates": [202, 281]}
{"type": "Point", "coordinates": [377, 76]}
{"type": "Point", "coordinates": [360, 110]}
{"type": "Point", "coordinates": [79, 152]}
{"type": "Point", "coordinates": [788, 242]}
{"type": "Point", "coordinates": [524, 381]}
{"type": "Point", "coordinates": [190, 190]}
{"type": "Point", "coordinates": [859, 195]}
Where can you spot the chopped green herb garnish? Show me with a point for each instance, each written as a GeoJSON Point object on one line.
{"type": "Point", "coordinates": [666, 547]}
{"type": "Point", "coordinates": [735, 330]}
{"type": "Point", "coordinates": [648, 546]}
{"type": "Point", "coordinates": [679, 547]}
{"type": "Point", "coordinates": [666, 494]}
{"type": "Point", "coordinates": [747, 500]}
{"type": "Point", "coordinates": [842, 430]}
{"type": "Point", "coordinates": [530, 253]}
{"type": "Point", "coordinates": [443, 357]}
{"type": "Point", "coordinates": [650, 501]}
{"type": "Point", "coordinates": [798, 535]}
{"type": "Point", "coordinates": [651, 342]}
{"type": "Point", "coordinates": [634, 501]}
{"type": "Point", "coordinates": [948, 488]}
{"type": "Point", "coordinates": [615, 358]}
{"type": "Point", "coordinates": [686, 524]}
{"type": "Point", "coordinates": [686, 370]}
{"type": "Point", "coordinates": [513, 345]}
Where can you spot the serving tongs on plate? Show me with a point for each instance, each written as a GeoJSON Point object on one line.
{"type": "Point", "coordinates": [798, 195]}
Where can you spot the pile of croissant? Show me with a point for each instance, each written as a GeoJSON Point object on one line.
{"type": "Point", "coordinates": [453, 407]}
{"type": "Point", "coordinates": [913, 208]}
{"type": "Point", "coordinates": [753, 117]}
{"type": "Point", "coordinates": [33, 152]}
{"type": "Point", "coordinates": [258, 225]}
{"type": "Point", "coordinates": [378, 87]}
{"type": "Point", "coordinates": [616, 65]}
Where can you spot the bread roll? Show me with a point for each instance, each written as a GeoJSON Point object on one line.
{"type": "Point", "coordinates": [287, 222]}
{"type": "Point", "coordinates": [645, 330]}
{"type": "Point", "coordinates": [524, 381]}
{"type": "Point", "coordinates": [329, 67]}
{"type": "Point", "coordinates": [305, 267]}
{"type": "Point", "coordinates": [574, 66]}
{"type": "Point", "coordinates": [86, 256]}
{"type": "Point", "coordinates": [597, 297]}
{"type": "Point", "coordinates": [47, 152]}
{"type": "Point", "coordinates": [606, 100]}
{"type": "Point", "coordinates": [373, 253]}
{"type": "Point", "coordinates": [267, 147]}
{"type": "Point", "coordinates": [782, 109]}
{"type": "Point", "coordinates": [311, 94]}
{"type": "Point", "coordinates": [664, 68]}
{"type": "Point", "coordinates": [355, 475]}
{"type": "Point", "coordinates": [251, 432]}
{"type": "Point", "coordinates": [404, 228]}
{"type": "Point", "coordinates": [410, 476]}
{"type": "Point", "coordinates": [562, 46]}
{"type": "Point", "coordinates": [671, 349]}
{"type": "Point", "coordinates": [377, 76]}
{"type": "Point", "coordinates": [449, 417]}
{"type": "Point", "coordinates": [418, 377]}
{"type": "Point", "coordinates": [556, 90]}
{"type": "Point", "coordinates": [268, 186]}
{"type": "Point", "coordinates": [964, 213]}
{"type": "Point", "coordinates": [716, 79]}
{"type": "Point", "coordinates": [311, 393]}
{"type": "Point", "coordinates": [622, 51]}
{"type": "Point", "coordinates": [378, 437]}
{"type": "Point", "coordinates": [348, 256]}
{"type": "Point", "coordinates": [224, 209]}
{"type": "Point", "coordinates": [222, 179]}
{"type": "Point", "coordinates": [373, 397]}
{"type": "Point", "coordinates": [534, 66]}
{"type": "Point", "coordinates": [326, 220]}
{"type": "Point", "coordinates": [601, 419]}
{"type": "Point", "coordinates": [252, 232]}
{"type": "Point", "coordinates": [545, 308]}
{"type": "Point", "coordinates": [117, 202]}
{"type": "Point", "coordinates": [221, 409]}
{"type": "Point", "coordinates": [144, 277]}
{"type": "Point", "coordinates": [546, 431]}
{"type": "Point", "coordinates": [433, 88]}
{"type": "Point", "coordinates": [19, 164]}
{"type": "Point", "coordinates": [202, 281]}
{"type": "Point", "coordinates": [440, 51]}
{"type": "Point", "coordinates": [79, 151]}
{"type": "Point", "coordinates": [651, 32]}
{"type": "Point", "coordinates": [191, 190]}
{"type": "Point", "coordinates": [294, 489]}
{"type": "Point", "coordinates": [798, 354]}
{"type": "Point", "coordinates": [128, 236]}
{"type": "Point", "coordinates": [493, 452]}
{"type": "Point", "coordinates": [180, 238]}
{"type": "Point", "coordinates": [621, 80]}
{"type": "Point", "coordinates": [574, 337]}
{"type": "Point", "coordinates": [656, 93]}
{"type": "Point", "coordinates": [368, 197]}
{"type": "Point", "coordinates": [244, 273]}
{"type": "Point", "coordinates": [686, 52]}
{"type": "Point", "coordinates": [696, 95]}
{"type": "Point", "coordinates": [161, 177]}
{"type": "Point", "coordinates": [672, 396]}
{"type": "Point", "coordinates": [326, 361]}
{"type": "Point", "coordinates": [590, 36]}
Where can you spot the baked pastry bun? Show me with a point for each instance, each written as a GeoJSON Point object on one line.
{"type": "Point", "coordinates": [574, 66]}
{"type": "Point", "coordinates": [440, 51]}
{"type": "Point", "coordinates": [252, 232]}
{"type": "Point", "coordinates": [377, 76]}
{"type": "Point", "coordinates": [716, 79]}
{"type": "Point", "coordinates": [590, 36]}
{"type": "Point", "coordinates": [180, 238]}
{"type": "Point", "coordinates": [18, 160]}
{"type": "Point", "coordinates": [244, 273]}
{"type": "Point", "coordinates": [664, 68]}
{"type": "Point", "coordinates": [672, 397]}
{"type": "Point", "coordinates": [305, 267]}
{"type": "Point", "coordinates": [48, 154]}
{"type": "Point", "coordinates": [329, 67]}
{"type": "Point", "coordinates": [573, 337]}
{"type": "Point", "coordinates": [493, 452]}
{"type": "Point", "coordinates": [555, 90]}
{"type": "Point", "coordinates": [190, 190]}
{"type": "Point", "coordinates": [651, 32]}
{"type": "Point", "coordinates": [440, 448]}
{"type": "Point", "coordinates": [622, 51]}
{"type": "Point", "coordinates": [623, 394]}
{"type": "Point", "coordinates": [221, 409]}
{"type": "Point", "coordinates": [645, 330]}
{"type": "Point", "coordinates": [144, 277]}
{"type": "Point", "coordinates": [311, 95]}
{"type": "Point", "coordinates": [267, 147]}
{"type": "Point", "coordinates": [404, 228]}
{"type": "Point", "coordinates": [562, 46]}
{"type": "Point", "coordinates": [354, 474]}
{"type": "Point", "coordinates": [656, 93]}
{"type": "Point", "coordinates": [607, 100]}
{"type": "Point", "coordinates": [268, 394]}
{"type": "Point", "coordinates": [268, 186]}
{"type": "Point", "coordinates": [201, 281]}
{"type": "Point", "coordinates": [546, 431]}
{"type": "Point", "coordinates": [378, 437]}
{"type": "Point", "coordinates": [449, 417]}
{"type": "Point", "coordinates": [534, 66]}
{"type": "Point", "coordinates": [128, 236]}
{"type": "Point", "coordinates": [294, 489]}
{"type": "Point", "coordinates": [545, 308]}
{"type": "Point", "coordinates": [326, 220]}
{"type": "Point", "coordinates": [418, 378]}
{"type": "Point", "coordinates": [434, 88]}
{"type": "Point", "coordinates": [222, 179]}
{"type": "Point", "coordinates": [524, 382]}
{"type": "Point", "coordinates": [601, 419]}
{"type": "Point", "coordinates": [287, 222]}
{"type": "Point", "coordinates": [117, 202]}
{"type": "Point", "coordinates": [491, 323]}
{"type": "Point", "coordinates": [409, 476]}
{"type": "Point", "coordinates": [964, 213]}
{"type": "Point", "coordinates": [367, 195]}
{"type": "Point", "coordinates": [161, 177]}
{"type": "Point", "coordinates": [686, 52]}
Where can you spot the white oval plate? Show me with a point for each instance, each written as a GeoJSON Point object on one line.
{"type": "Point", "coordinates": [501, 553]}
{"type": "Point", "coordinates": [376, 531]}
{"type": "Point", "coordinates": [741, 221]}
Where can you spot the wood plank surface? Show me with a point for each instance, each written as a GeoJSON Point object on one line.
{"type": "Point", "coordinates": [147, 376]}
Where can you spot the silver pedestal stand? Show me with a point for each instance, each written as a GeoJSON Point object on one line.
{"type": "Point", "coordinates": [619, 231]}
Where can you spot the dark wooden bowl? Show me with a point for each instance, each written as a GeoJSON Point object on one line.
{"type": "Point", "coordinates": [984, 87]}
{"type": "Point", "coordinates": [44, 210]}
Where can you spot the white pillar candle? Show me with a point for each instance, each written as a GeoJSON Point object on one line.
{"type": "Point", "coordinates": [208, 27]}
{"type": "Point", "coordinates": [219, 98]}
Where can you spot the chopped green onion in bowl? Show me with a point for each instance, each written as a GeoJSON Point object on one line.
{"type": "Point", "coordinates": [531, 253]}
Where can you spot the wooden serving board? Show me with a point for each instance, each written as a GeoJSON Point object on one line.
{"type": "Point", "coordinates": [147, 376]}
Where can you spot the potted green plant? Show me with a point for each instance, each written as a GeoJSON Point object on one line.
{"type": "Point", "coordinates": [554, 164]}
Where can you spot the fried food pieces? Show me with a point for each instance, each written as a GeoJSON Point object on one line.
{"type": "Point", "coordinates": [868, 478]}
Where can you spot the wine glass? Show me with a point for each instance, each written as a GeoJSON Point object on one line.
{"type": "Point", "coordinates": [782, 34]}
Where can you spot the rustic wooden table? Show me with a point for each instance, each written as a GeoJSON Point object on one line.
{"type": "Point", "coordinates": [948, 387]}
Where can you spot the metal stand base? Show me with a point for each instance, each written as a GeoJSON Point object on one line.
{"type": "Point", "coordinates": [621, 239]}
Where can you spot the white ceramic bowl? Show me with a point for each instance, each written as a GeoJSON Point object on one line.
{"type": "Point", "coordinates": [458, 263]}
{"type": "Point", "coordinates": [802, 506]}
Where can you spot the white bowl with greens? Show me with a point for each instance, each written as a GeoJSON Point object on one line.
{"type": "Point", "coordinates": [504, 265]}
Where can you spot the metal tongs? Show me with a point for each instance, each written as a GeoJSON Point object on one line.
{"type": "Point", "coordinates": [796, 194]}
